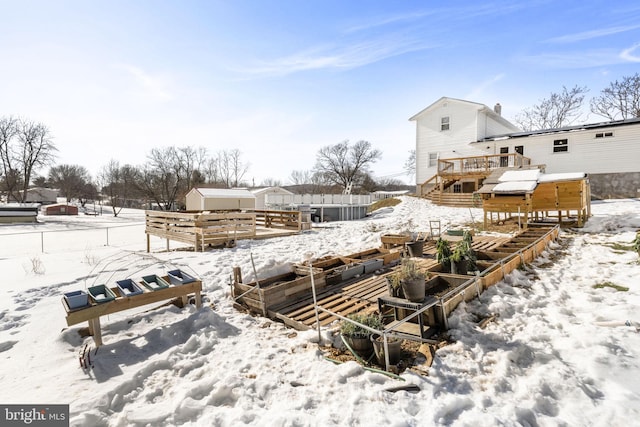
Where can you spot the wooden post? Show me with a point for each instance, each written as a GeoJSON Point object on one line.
{"type": "Point", "coordinates": [94, 330]}
{"type": "Point", "coordinates": [148, 243]}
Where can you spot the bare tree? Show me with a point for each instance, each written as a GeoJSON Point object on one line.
{"type": "Point", "coordinates": [162, 177]}
{"type": "Point", "coordinates": [119, 183]}
{"type": "Point", "coordinates": [410, 163]}
{"type": "Point", "coordinates": [72, 180]}
{"type": "Point", "coordinates": [271, 182]}
{"type": "Point", "coordinates": [231, 168]}
{"type": "Point", "coordinates": [299, 177]}
{"type": "Point", "coordinates": [620, 100]}
{"type": "Point", "coordinates": [35, 150]}
{"type": "Point", "coordinates": [343, 164]}
{"type": "Point", "coordinates": [560, 109]}
{"type": "Point", "coordinates": [212, 170]}
{"type": "Point", "coordinates": [191, 161]}
{"type": "Point", "coordinates": [10, 176]}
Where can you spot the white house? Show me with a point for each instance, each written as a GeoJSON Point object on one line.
{"type": "Point", "coordinates": [609, 152]}
{"type": "Point", "coordinates": [446, 128]}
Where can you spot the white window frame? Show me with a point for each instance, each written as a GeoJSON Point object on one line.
{"type": "Point", "coordinates": [432, 159]}
{"type": "Point", "coordinates": [560, 145]}
{"type": "Point", "coordinates": [445, 123]}
{"type": "Point", "coordinates": [604, 134]}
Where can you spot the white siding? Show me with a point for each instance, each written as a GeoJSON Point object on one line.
{"type": "Point", "coordinates": [462, 130]}
{"type": "Point", "coordinates": [488, 127]}
{"type": "Point", "coordinates": [617, 154]}
{"type": "Point", "coordinates": [468, 123]}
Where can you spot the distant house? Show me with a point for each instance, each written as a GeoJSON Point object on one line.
{"type": "Point", "coordinates": [216, 199]}
{"type": "Point", "coordinates": [261, 195]}
{"type": "Point", "coordinates": [19, 212]}
{"type": "Point", "coordinates": [608, 152]}
{"type": "Point", "coordinates": [60, 209]}
{"type": "Point", "coordinates": [41, 195]}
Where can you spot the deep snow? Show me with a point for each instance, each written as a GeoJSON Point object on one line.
{"type": "Point", "coordinates": [560, 351]}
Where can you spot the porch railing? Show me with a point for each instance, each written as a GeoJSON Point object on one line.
{"type": "Point", "coordinates": [481, 164]}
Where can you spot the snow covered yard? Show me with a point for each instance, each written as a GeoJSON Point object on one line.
{"type": "Point", "coordinates": [560, 351]}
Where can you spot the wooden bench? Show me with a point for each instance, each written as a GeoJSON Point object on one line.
{"type": "Point", "coordinates": [93, 312]}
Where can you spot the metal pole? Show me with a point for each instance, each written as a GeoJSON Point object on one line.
{"type": "Point", "coordinates": [315, 302]}
{"type": "Point", "coordinates": [107, 236]}
{"type": "Point", "coordinates": [42, 241]}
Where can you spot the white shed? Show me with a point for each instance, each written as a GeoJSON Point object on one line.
{"type": "Point", "coordinates": [219, 199]}
{"type": "Point", "coordinates": [261, 195]}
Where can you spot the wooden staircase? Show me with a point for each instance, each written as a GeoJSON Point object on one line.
{"type": "Point", "coordinates": [478, 168]}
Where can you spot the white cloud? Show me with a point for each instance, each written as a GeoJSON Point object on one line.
{"type": "Point", "coordinates": [349, 56]}
{"type": "Point", "coordinates": [587, 35]}
{"type": "Point", "coordinates": [569, 60]}
{"type": "Point", "coordinates": [628, 54]}
{"type": "Point", "coordinates": [477, 91]}
{"type": "Point", "coordinates": [153, 85]}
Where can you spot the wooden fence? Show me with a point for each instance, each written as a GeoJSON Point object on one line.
{"type": "Point", "coordinates": [218, 228]}
{"type": "Point", "coordinates": [200, 229]}
{"type": "Point", "coordinates": [290, 220]}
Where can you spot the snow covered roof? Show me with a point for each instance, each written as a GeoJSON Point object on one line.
{"type": "Point", "coordinates": [521, 175]}
{"type": "Point", "coordinates": [568, 176]}
{"type": "Point", "coordinates": [278, 190]}
{"type": "Point", "coordinates": [574, 128]}
{"type": "Point", "coordinates": [525, 181]}
{"type": "Point", "coordinates": [515, 187]}
{"type": "Point", "coordinates": [222, 193]}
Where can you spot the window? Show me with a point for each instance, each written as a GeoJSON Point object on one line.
{"type": "Point", "coordinates": [560, 145]}
{"type": "Point", "coordinates": [604, 134]}
{"type": "Point", "coordinates": [504, 160]}
{"type": "Point", "coordinates": [433, 159]}
{"type": "Point", "coordinates": [457, 188]}
{"type": "Point", "coordinates": [444, 123]}
{"type": "Point", "coordinates": [519, 149]}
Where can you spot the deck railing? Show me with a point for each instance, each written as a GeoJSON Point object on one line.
{"type": "Point", "coordinates": [481, 164]}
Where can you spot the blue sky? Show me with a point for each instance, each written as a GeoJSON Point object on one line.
{"type": "Point", "coordinates": [281, 79]}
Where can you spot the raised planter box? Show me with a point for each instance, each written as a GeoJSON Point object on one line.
{"type": "Point", "coordinates": [371, 265]}
{"type": "Point", "coordinates": [276, 290]}
{"type": "Point", "coordinates": [101, 294]}
{"type": "Point", "coordinates": [387, 256]}
{"type": "Point", "coordinates": [153, 282]}
{"type": "Point", "coordinates": [76, 299]}
{"type": "Point", "coordinates": [350, 271]}
{"type": "Point", "coordinates": [179, 277]}
{"type": "Point", "coordinates": [392, 240]}
{"type": "Point", "coordinates": [128, 288]}
{"type": "Point", "coordinates": [441, 284]}
{"type": "Point", "coordinates": [336, 269]}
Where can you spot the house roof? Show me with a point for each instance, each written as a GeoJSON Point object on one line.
{"type": "Point", "coordinates": [225, 193]}
{"type": "Point", "coordinates": [585, 126]}
{"type": "Point", "coordinates": [480, 107]}
{"type": "Point", "coordinates": [276, 189]}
